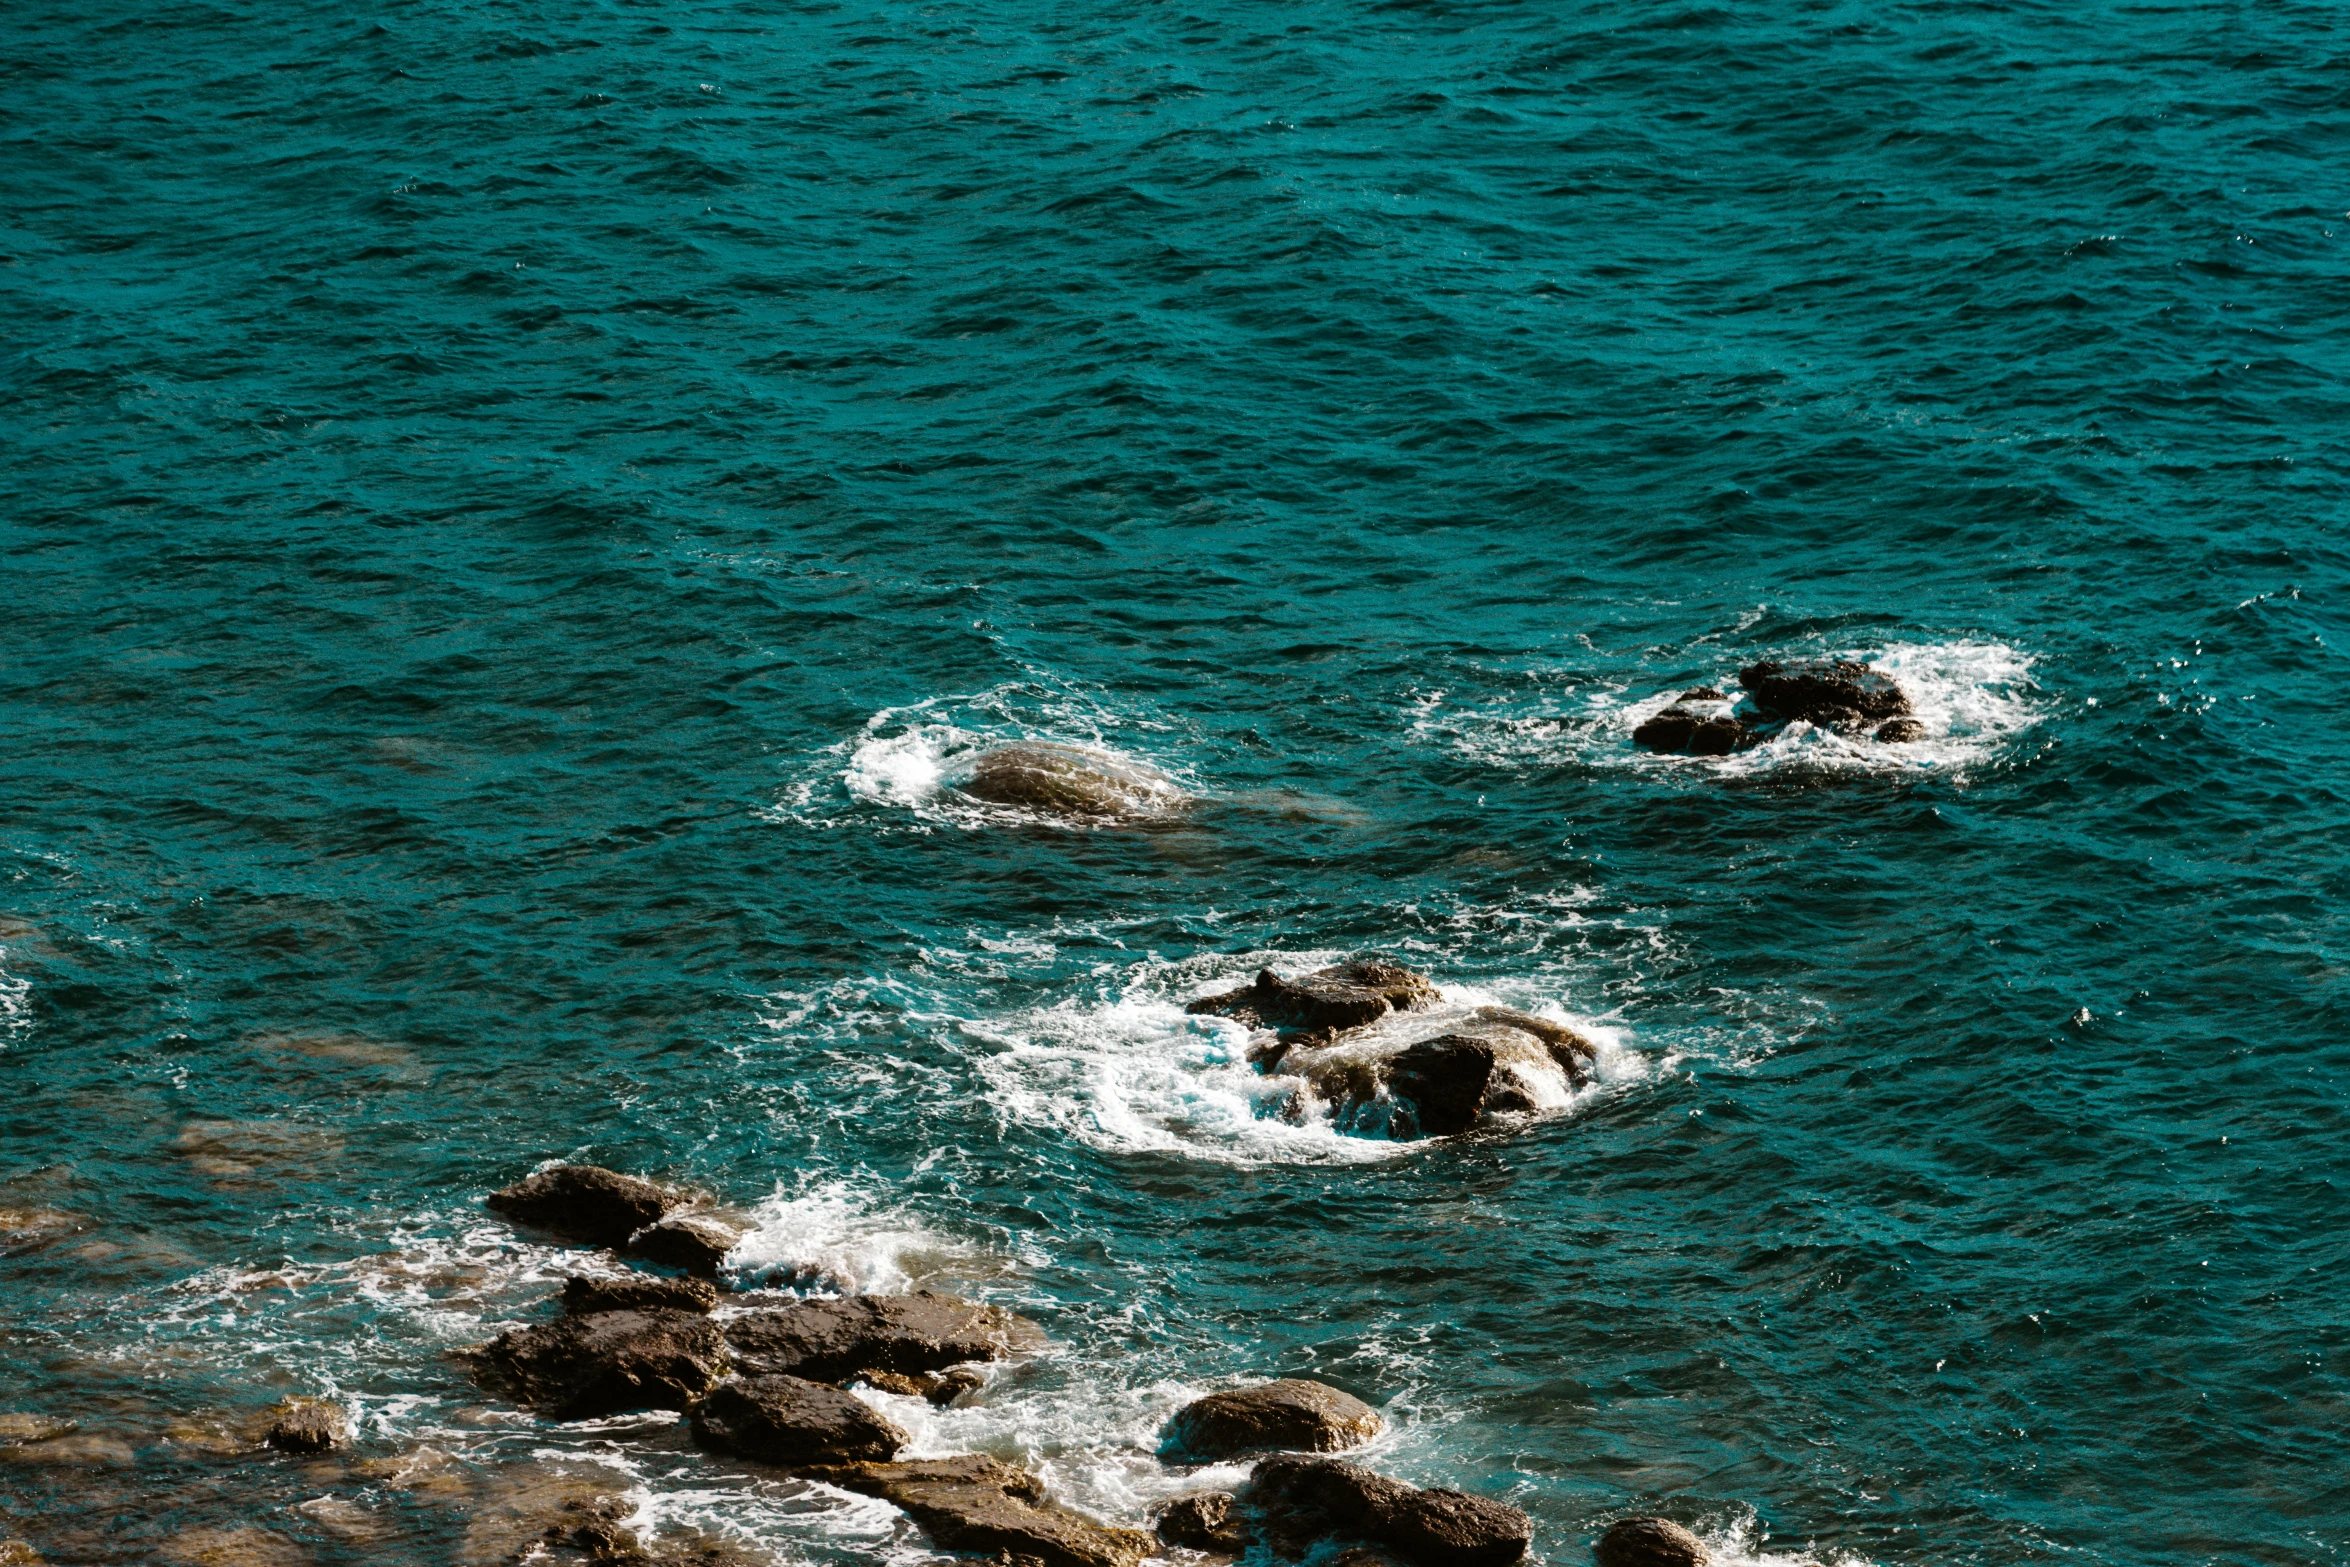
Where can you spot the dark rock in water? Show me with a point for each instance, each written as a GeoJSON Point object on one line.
{"type": "Point", "coordinates": [1067, 780]}
{"type": "Point", "coordinates": [308, 1425]}
{"type": "Point", "coordinates": [594, 1531]}
{"type": "Point", "coordinates": [1900, 731]}
{"type": "Point", "coordinates": [793, 1422]}
{"type": "Point", "coordinates": [986, 1508]}
{"type": "Point", "coordinates": [1302, 1501]}
{"type": "Point", "coordinates": [1445, 1079]}
{"type": "Point", "coordinates": [583, 1202]}
{"type": "Point", "coordinates": [1203, 1521]}
{"type": "Point", "coordinates": [1702, 694]}
{"type": "Point", "coordinates": [829, 1340]}
{"type": "Point", "coordinates": [576, 1367]}
{"type": "Point", "coordinates": [1688, 731]}
{"type": "Point", "coordinates": [696, 1240]}
{"type": "Point", "coordinates": [1292, 1413]}
{"type": "Point", "coordinates": [1489, 1061]}
{"type": "Point", "coordinates": [1325, 1002]}
{"type": "Point", "coordinates": [1650, 1542]}
{"type": "Point", "coordinates": [583, 1297]}
{"type": "Point", "coordinates": [1830, 695]}
{"type": "Point", "coordinates": [952, 1385]}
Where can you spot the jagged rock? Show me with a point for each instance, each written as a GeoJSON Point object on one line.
{"type": "Point", "coordinates": [308, 1425]}
{"type": "Point", "coordinates": [1324, 1003]}
{"type": "Point", "coordinates": [576, 1367]}
{"type": "Point", "coordinates": [986, 1508]}
{"type": "Point", "coordinates": [1695, 731]}
{"type": "Point", "coordinates": [951, 1385]}
{"type": "Point", "coordinates": [584, 1297]}
{"type": "Point", "coordinates": [584, 1202]}
{"type": "Point", "coordinates": [1900, 731]}
{"type": "Point", "coordinates": [1486, 1061]}
{"type": "Point", "coordinates": [1203, 1521]}
{"type": "Point", "coordinates": [831, 1340]}
{"type": "Point", "coordinates": [792, 1422]}
{"type": "Point", "coordinates": [1650, 1542]}
{"type": "Point", "coordinates": [697, 1240]}
{"type": "Point", "coordinates": [1068, 780]}
{"type": "Point", "coordinates": [1829, 694]}
{"type": "Point", "coordinates": [1301, 1501]}
{"type": "Point", "coordinates": [1291, 1413]}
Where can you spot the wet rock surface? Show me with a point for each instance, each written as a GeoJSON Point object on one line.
{"type": "Point", "coordinates": [793, 1422]}
{"type": "Point", "coordinates": [1291, 1413]}
{"type": "Point", "coordinates": [1485, 1061]}
{"type": "Point", "coordinates": [584, 1297]}
{"type": "Point", "coordinates": [612, 1361]}
{"type": "Point", "coordinates": [695, 1241]}
{"type": "Point", "coordinates": [1069, 781]}
{"type": "Point", "coordinates": [1846, 697]}
{"type": "Point", "coordinates": [987, 1508]}
{"type": "Point", "coordinates": [1650, 1542]}
{"type": "Point", "coordinates": [1297, 1503]}
{"type": "Point", "coordinates": [1699, 723]}
{"type": "Point", "coordinates": [585, 1202]}
{"type": "Point", "coordinates": [1324, 1003]}
{"type": "Point", "coordinates": [909, 1335]}
{"type": "Point", "coordinates": [307, 1425]}
{"type": "Point", "coordinates": [1203, 1521]}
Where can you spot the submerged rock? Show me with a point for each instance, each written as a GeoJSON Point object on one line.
{"type": "Point", "coordinates": [30, 1229]}
{"type": "Point", "coordinates": [1069, 781]}
{"type": "Point", "coordinates": [1324, 1003]}
{"type": "Point", "coordinates": [1291, 1413]}
{"type": "Point", "coordinates": [1203, 1521]}
{"type": "Point", "coordinates": [696, 1241]}
{"type": "Point", "coordinates": [584, 1297]}
{"type": "Point", "coordinates": [986, 1508]}
{"type": "Point", "coordinates": [308, 1425]}
{"type": "Point", "coordinates": [1650, 1542]}
{"type": "Point", "coordinates": [1839, 695]}
{"type": "Point", "coordinates": [1300, 1502]}
{"type": "Point", "coordinates": [584, 1202]}
{"type": "Point", "coordinates": [793, 1422]}
{"type": "Point", "coordinates": [576, 1367]}
{"type": "Point", "coordinates": [832, 1340]}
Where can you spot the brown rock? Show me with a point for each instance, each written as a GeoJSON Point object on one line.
{"type": "Point", "coordinates": [576, 1367]}
{"type": "Point", "coordinates": [1831, 694]}
{"type": "Point", "coordinates": [1445, 1079]}
{"type": "Point", "coordinates": [792, 1422]}
{"type": "Point", "coordinates": [30, 1229]}
{"type": "Point", "coordinates": [17, 1553]}
{"type": "Point", "coordinates": [952, 1385]}
{"type": "Point", "coordinates": [980, 1506]}
{"type": "Point", "coordinates": [34, 1428]}
{"type": "Point", "coordinates": [1694, 732]}
{"type": "Point", "coordinates": [584, 1297]}
{"type": "Point", "coordinates": [233, 1548]}
{"type": "Point", "coordinates": [308, 1425]}
{"type": "Point", "coordinates": [1291, 1413]}
{"type": "Point", "coordinates": [1324, 1003]}
{"type": "Point", "coordinates": [1070, 781]}
{"type": "Point", "coordinates": [1900, 731]}
{"type": "Point", "coordinates": [1650, 1542]}
{"type": "Point", "coordinates": [1300, 1501]}
{"type": "Point", "coordinates": [696, 1241]}
{"type": "Point", "coordinates": [1203, 1521]}
{"type": "Point", "coordinates": [583, 1202]}
{"type": "Point", "coordinates": [829, 1340]}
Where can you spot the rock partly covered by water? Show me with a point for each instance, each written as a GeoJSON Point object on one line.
{"type": "Point", "coordinates": [1297, 1503]}
{"type": "Point", "coordinates": [307, 1425]}
{"type": "Point", "coordinates": [1479, 1062]}
{"type": "Point", "coordinates": [584, 1297]}
{"type": "Point", "coordinates": [1699, 723]}
{"type": "Point", "coordinates": [793, 1422]}
{"type": "Point", "coordinates": [1203, 1521]}
{"type": "Point", "coordinates": [1292, 1413]}
{"type": "Point", "coordinates": [1846, 697]}
{"type": "Point", "coordinates": [695, 1241]}
{"type": "Point", "coordinates": [909, 1335]}
{"type": "Point", "coordinates": [1069, 781]}
{"type": "Point", "coordinates": [1650, 1542]}
{"type": "Point", "coordinates": [587, 1203]}
{"type": "Point", "coordinates": [986, 1508]}
{"type": "Point", "coordinates": [1324, 1003]}
{"type": "Point", "coordinates": [576, 1367]}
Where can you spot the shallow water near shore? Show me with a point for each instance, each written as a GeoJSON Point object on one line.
{"type": "Point", "coordinates": [515, 516]}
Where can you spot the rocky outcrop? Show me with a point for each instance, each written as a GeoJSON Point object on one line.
{"type": "Point", "coordinates": [1296, 1503]}
{"type": "Point", "coordinates": [1324, 1003]}
{"type": "Point", "coordinates": [576, 1367]}
{"type": "Point", "coordinates": [1069, 781]}
{"type": "Point", "coordinates": [1203, 1521]}
{"type": "Point", "coordinates": [584, 1202]}
{"type": "Point", "coordinates": [1292, 1414]}
{"type": "Point", "coordinates": [792, 1422]}
{"type": "Point", "coordinates": [1479, 1062]}
{"type": "Point", "coordinates": [1650, 1542]}
{"type": "Point", "coordinates": [986, 1508]}
{"type": "Point", "coordinates": [1900, 731]}
{"type": "Point", "coordinates": [307, 1425]}
{"type": "Point", "coordinates": [941, 1388]}
{"type": "Point", "coordinates": [695, 1241]}
{"type": "Point", "coordinates": [1838, 695]}
{"type": "Point", "coordinates": [909, 1335]}
{"type": "Point", "coordinates": [584, 1297]}
{"type": "Point", "coordinates": [1699, 723]}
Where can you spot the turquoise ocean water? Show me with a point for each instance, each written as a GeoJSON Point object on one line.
{"type": "Point", "coordinates": [509, 513]}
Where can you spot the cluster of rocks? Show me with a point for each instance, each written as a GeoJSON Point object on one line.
{"type": "Point", "coordinates": [1844, 697]}
{"type": "Point", "coordinates": [770, 1385]}
{"type": "Point", "coordinates": [1369, 1039]}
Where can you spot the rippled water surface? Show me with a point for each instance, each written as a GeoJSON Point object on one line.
{"type": "Point", "coordinates": [514, 516]}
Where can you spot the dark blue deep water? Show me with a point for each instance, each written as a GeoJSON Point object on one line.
{"type": "Point", "coordinates": [509, 513]}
